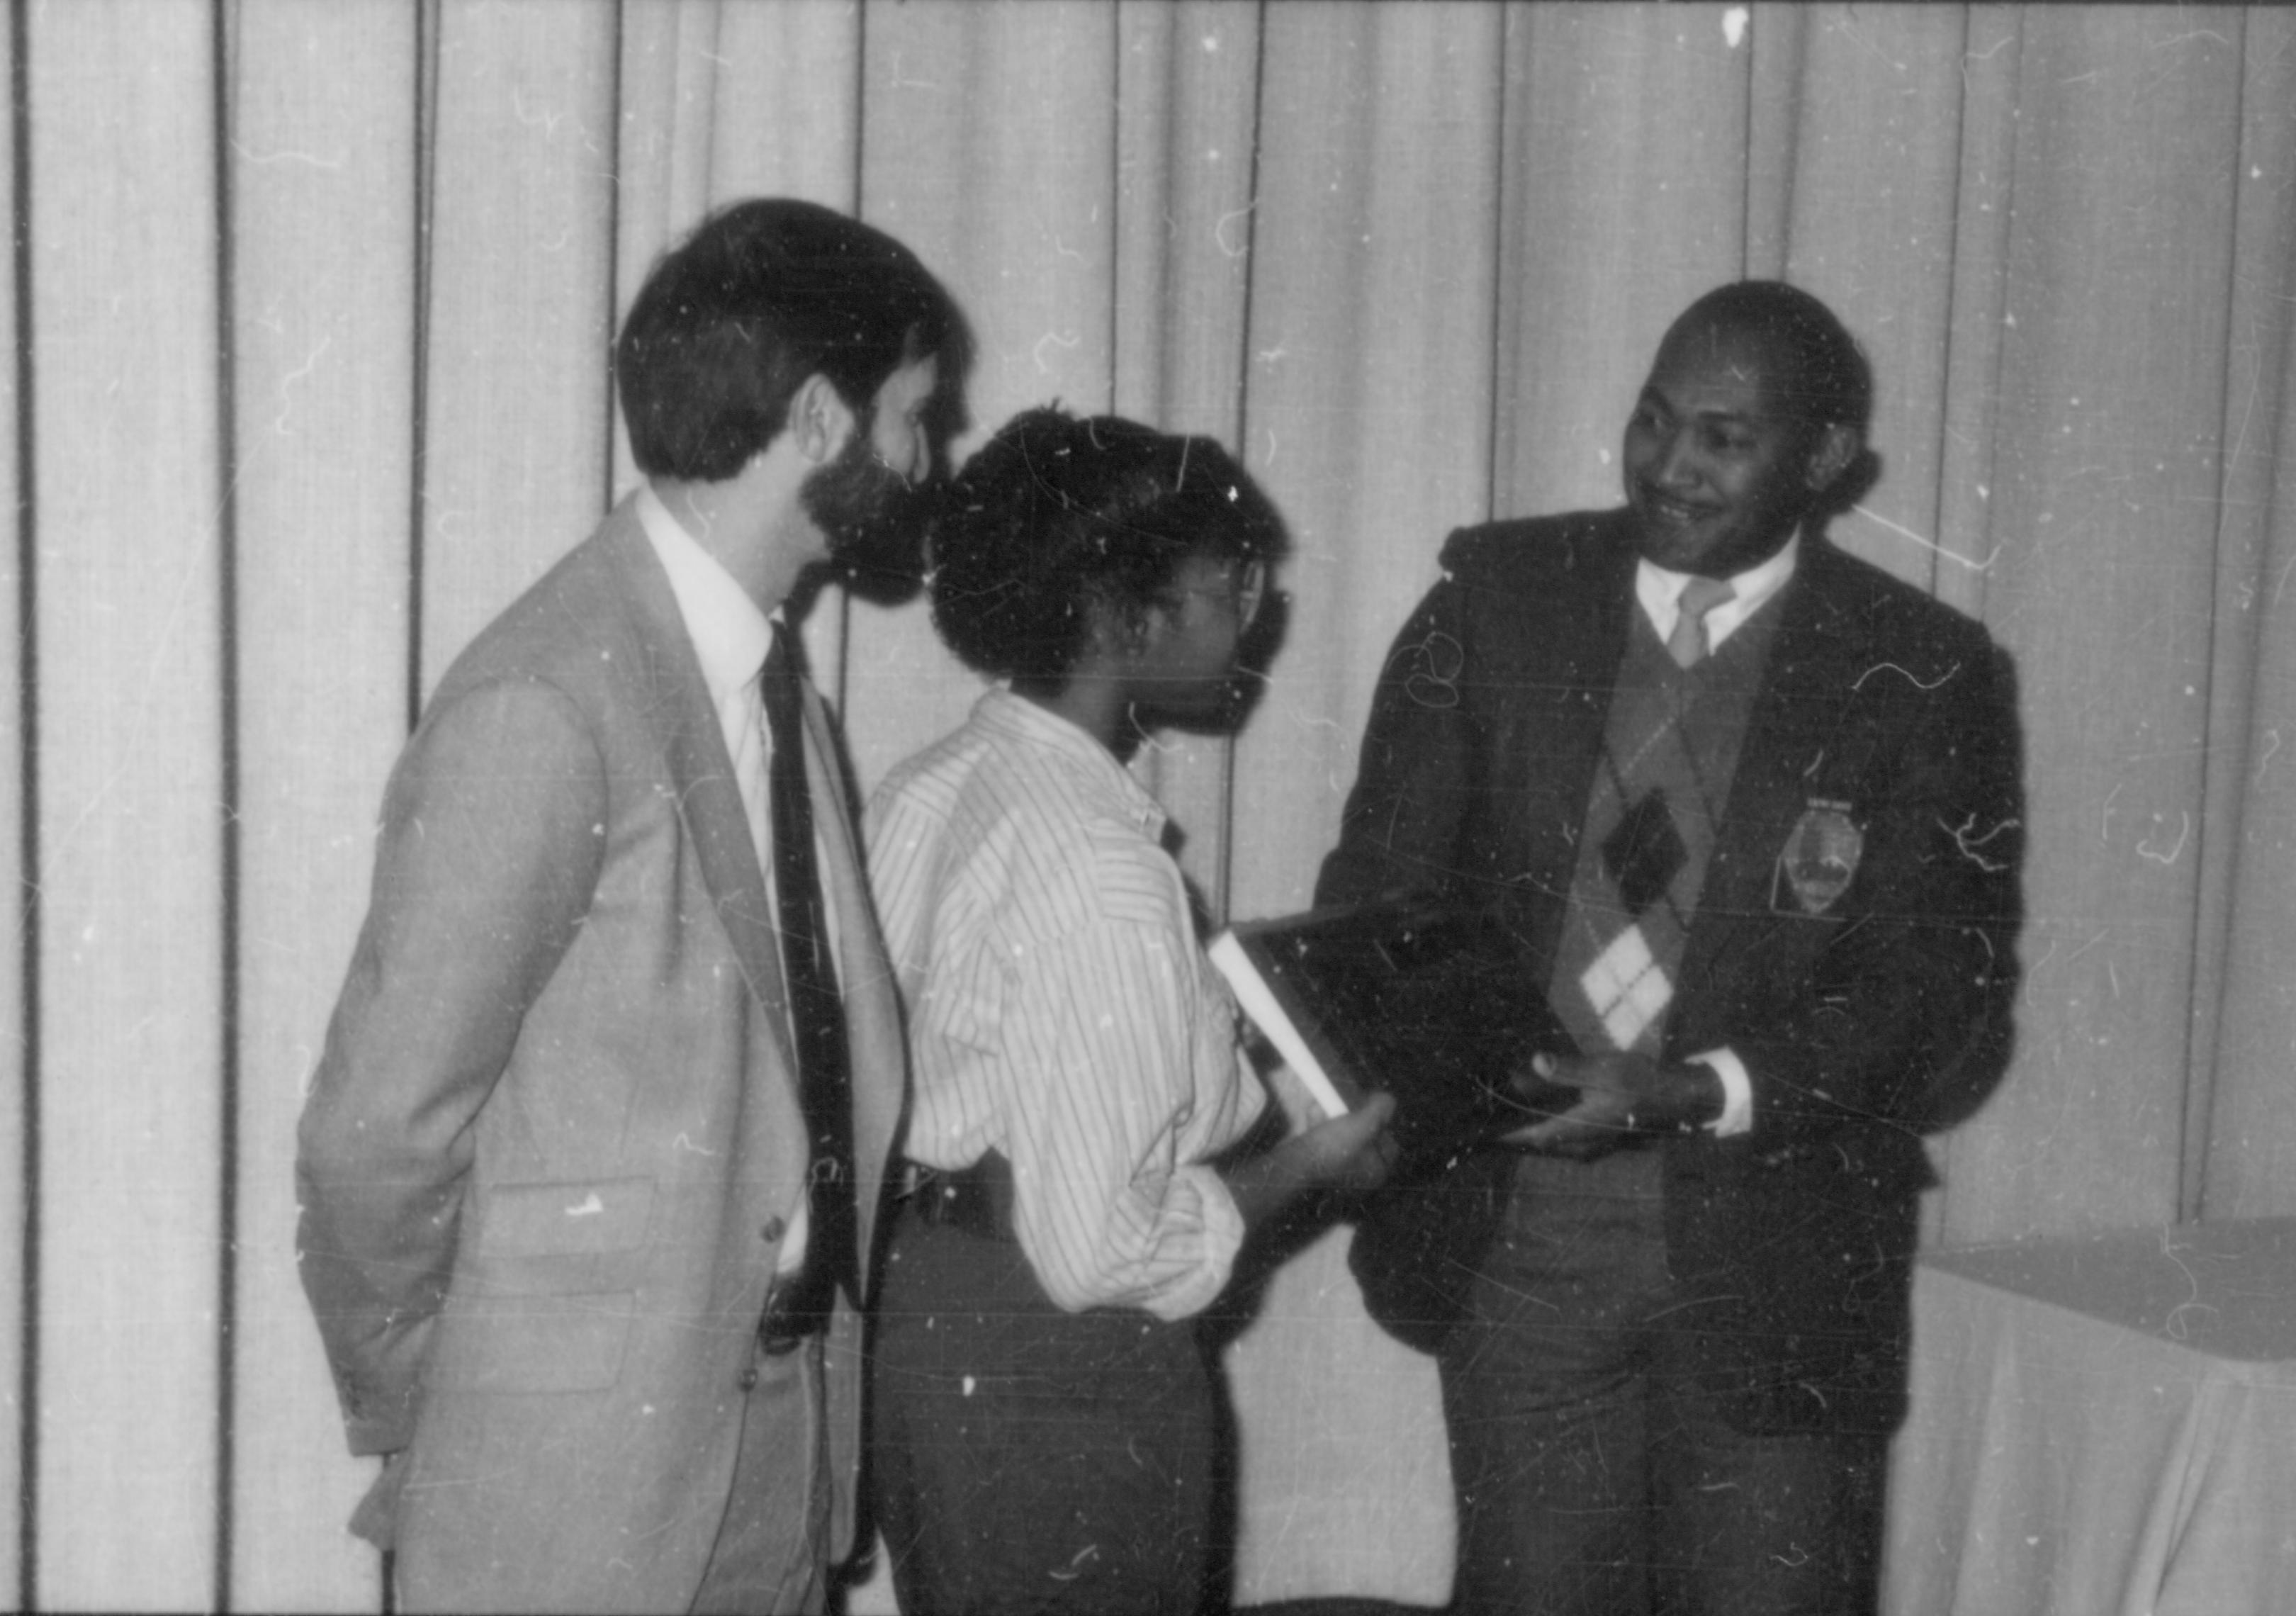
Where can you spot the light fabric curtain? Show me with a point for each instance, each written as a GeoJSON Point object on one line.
{"type": "Point", "coordinates": [309, 303]}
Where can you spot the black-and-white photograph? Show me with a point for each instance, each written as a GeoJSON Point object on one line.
{"type": "Point", "coordinates": [1326, 808]}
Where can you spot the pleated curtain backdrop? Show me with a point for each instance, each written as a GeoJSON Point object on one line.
{"type": "Point", "coordinates": [310, 303]}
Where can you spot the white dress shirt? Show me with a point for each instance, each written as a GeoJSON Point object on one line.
{"type": "Point", "coordinates": [730, 639]}
{"type": "Point", "coordinates": [1660, 593]}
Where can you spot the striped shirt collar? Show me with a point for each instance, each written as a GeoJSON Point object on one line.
{"type": "Point", "coordinates": [1001, 713]}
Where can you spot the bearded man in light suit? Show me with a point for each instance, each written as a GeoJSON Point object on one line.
{"type": "Point", "coordinates": [565, 1194]}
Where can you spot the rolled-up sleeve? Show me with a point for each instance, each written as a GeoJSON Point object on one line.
{"type": "Point", "coordinates": [1112, 1052]}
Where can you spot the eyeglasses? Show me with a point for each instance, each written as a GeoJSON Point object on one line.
{"type": "Point", "coordinates": [1243, 590]}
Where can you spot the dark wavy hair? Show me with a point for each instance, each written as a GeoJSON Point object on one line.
{"type": "Point", "coordinates": [760, 296]}
{"type": "Point", "coordinates": [1056, 513]}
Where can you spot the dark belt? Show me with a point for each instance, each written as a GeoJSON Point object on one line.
{"type": "Point", "coordinates": [797, 1308]}
{"type": "Point", "coordinates": [975, 1199]}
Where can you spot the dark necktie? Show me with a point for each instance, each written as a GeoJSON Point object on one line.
{"type": "Point", "coordinates": [816, 1010]}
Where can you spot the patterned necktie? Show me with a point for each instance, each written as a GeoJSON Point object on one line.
{"type": "Point", "coordinates": [1687, 643]}
{"type": "Point", "coordinates": [816, 1010]}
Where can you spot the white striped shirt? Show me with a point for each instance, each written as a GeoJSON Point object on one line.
{"type": "Point", "coordinates": [1061, 1010]}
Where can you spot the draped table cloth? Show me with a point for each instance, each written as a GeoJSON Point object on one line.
{"type": "Point", "coordinates": [2101, 1426]}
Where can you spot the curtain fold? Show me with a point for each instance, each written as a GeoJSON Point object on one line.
{"type": "Point", "coordinates": [2110, 381]}
{"type": "Point", "coordinates": [1368, 418]}
{"type": "Point", "coordinates": [317, 307]}
{"type": "Point", "coordinates": [322, 320]}
{"type": "Point", "coordinates": [2241, 1154]}
{"type": "Point", "coordinates": [1869, 220]}
{"type": "Point", "coordinates": [131, 622]}
{"type": "Point", "coordinates": [19, 995]}
{"type": "Point", "coordinates": [1625, 197]}
{"type": "Point", "coordinates": [1368, 413]}
{"type": "Point", "coordinates": [521, 310]}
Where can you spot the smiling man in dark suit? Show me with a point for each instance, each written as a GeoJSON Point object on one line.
{"type": "Point", "coordinates": [1752, 810]}
{"type": "Point", "coordinates": [590, 1165]}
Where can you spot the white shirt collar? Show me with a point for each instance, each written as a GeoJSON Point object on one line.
{"type": "Point", "coordinates": [1660, 591]}
{"type": "Point", "coordinates": [729, 633]}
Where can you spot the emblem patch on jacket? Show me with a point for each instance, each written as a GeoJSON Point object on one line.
{"type": "Point", "coordinates": [1820, 859]}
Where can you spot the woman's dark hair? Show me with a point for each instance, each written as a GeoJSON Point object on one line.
{"type": "Point", "coordinates": [762, 295]}
{"type": "Point", "coordinates": [1055, 513]}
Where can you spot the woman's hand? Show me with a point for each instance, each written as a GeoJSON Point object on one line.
{"type": "Point", "coordinates": [1353, 1153]}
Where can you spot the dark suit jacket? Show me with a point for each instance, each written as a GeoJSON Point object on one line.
{"type": "Point", "coordinates": [550, 1149]}
{"type": "Point", "coordinates": [1885, 1014]}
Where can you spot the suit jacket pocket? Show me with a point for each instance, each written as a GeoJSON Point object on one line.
{"type": "Point", "coordinates": [569, 1218]}
{"type": "Point", "coordinates": [520, 1344]}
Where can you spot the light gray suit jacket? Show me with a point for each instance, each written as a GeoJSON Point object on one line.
{"type": "Point", "coordinates": [553, 1145]}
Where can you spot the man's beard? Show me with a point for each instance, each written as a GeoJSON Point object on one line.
{"type": "Point", "coordinates": [874, 522]}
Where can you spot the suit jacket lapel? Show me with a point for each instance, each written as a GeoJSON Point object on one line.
{"type": "Point", "coordinates": [709, 802]}
{"type": "Point", "coordinates": [1807, 691]}
{"type": "Point", "coordinates": [1569, 674]}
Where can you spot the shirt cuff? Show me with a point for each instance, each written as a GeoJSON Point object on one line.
{"type": "Point", "coordinates": [1737, 1092]}
{"type": "Point", "coordinates": [1223, 1234]}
